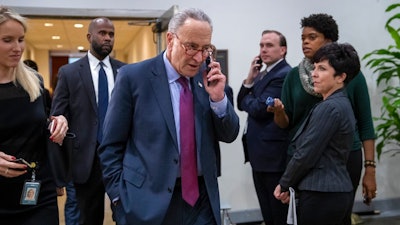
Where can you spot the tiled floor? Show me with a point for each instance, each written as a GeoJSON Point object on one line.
{"type": "Point", "coordinates": [384, 217]}
{"type": "Point", "coordinates": [389, 218]}
{"type": "Point", "coordinates": [107, 211]}
{"type": "Point", "coordinates": [364, 221]}
{"type": "Point", "coordinates": [381, 221]}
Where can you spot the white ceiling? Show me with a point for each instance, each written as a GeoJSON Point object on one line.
{"type": "Point", "coordinates": [127, 22]}
{"type": "Point", "coordinates": [40, 37]}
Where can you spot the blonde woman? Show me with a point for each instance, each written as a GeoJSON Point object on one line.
{"type": "Point", "coordinates": [23, 133]}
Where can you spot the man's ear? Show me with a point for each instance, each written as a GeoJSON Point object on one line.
{"type": "Point", "coordinates": [170, 37]}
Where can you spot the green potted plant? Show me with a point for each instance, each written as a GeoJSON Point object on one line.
{"type": "Point", "coordinates": [386, 63]}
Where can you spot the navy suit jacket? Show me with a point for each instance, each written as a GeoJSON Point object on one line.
{"type": "Point", "coordinates": [322, 145]}
{"type": "Point", "coordinates": [139, 152]}
{"type": "Point", "coordinates": [266, 142]}
{"type": "Point", "coordinates": [75, 98]}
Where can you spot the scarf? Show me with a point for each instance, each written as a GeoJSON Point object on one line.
{"type": "Point", "coordinates": [305, 69]}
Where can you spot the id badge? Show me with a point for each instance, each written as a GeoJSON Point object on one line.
{"type": "Point", "coordinates": [30, 193]}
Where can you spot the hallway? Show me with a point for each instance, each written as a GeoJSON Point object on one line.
{"type": "Point", "coordinates": [107, 211]}
{"type": "Point", "coordinates": [385, 218]}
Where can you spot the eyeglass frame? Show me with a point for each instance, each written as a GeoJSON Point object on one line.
{"type": "Point", "coordinates": [206, 51]}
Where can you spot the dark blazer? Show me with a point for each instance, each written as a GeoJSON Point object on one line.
{"type": "Point", "coordinates": [229, 95]}
{"type": "Point", "coordinates": [139, 152]}
{"type": "Point", "coordinates": [322, 146]}
{"type": "Point", "coordinates": [266, 142]}
{"type": "Point", "coordinates": [75, 98]}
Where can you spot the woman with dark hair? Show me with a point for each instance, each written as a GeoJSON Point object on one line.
{"type": "Point", "coordinates": [323, 142]}
{"type": "Point", "coordinates": [299, 97]}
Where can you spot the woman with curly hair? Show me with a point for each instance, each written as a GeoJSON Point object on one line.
{"type": "Point", "coordinates": [299, 97]}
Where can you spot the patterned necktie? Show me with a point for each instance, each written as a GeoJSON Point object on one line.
{"type": "Point", "coordinates": [102, 101]}
{"type": "Point", "coordinates": [190, 186]}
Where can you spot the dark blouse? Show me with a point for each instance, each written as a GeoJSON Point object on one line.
{"type": "Point", "coordinates": [23, 135]}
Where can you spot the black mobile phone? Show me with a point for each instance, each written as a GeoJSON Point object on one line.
{"type": "Point", "coordinates": [208, 61]}
{"type": "Point", "coordinates": [259, 61]}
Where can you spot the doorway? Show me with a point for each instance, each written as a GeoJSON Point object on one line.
{"type": "Point", "coordinates": [61, 33]}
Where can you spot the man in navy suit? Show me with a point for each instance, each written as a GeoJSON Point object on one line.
{"type": "Point", "coordinates": [76, 97]}
{"type": "Point", "coordinates": [265, 142]}
{"type": "Point", "coordinates": [141, 150]}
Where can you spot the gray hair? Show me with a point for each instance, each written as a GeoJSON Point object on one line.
{"type": "Point", "coordinates": [179, 18]}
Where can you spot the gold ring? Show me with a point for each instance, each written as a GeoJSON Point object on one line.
{"type": "Point", "coordinates": [6, 171]}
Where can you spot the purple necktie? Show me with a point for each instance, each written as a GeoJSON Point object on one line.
{"type": "Point", "coordinates": [190, 187]}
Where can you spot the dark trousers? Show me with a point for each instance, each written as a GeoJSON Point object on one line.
{"type": "Point", "coordinates": [181, 213]}
{"type": "Point", "coordinates": [71, 211]}
{"type": "Point", "coordinates": [322, 208]}
{"type": "Point", "coordinates": [273, 211]}
{"type": "Point", "coordinates": [354, 167]}
{"type": "Point", "coordinates": [90, 197]}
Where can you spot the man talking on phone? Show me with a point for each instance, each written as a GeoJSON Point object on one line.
{"type": "Point", "coordinates": [265, 143]}
{"type": "Point", "coordinates": [158, 152]}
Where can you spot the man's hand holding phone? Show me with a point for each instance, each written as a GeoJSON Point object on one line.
{"type": "Point", "coordinates": [259, 63]}
{"type": "Point", "coordinates": [58, 128]}
{"type": "Point", "coordinates": [214, 79]}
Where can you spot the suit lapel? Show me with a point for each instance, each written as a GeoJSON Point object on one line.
{"type": "Point", "coordinates": [114, 67]}
{"type": "Point", "coordinates": [85, 74]}
{"type": "Point", "coordinates": [199, 105]}
{"type": "Point", "coordinates": [261, 84]}
{"type": "Point", "coordinates": [304, 124]}
{"type": "Point", "coordinates": [160, 87]}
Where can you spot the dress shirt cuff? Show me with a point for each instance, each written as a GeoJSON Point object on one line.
{"type": "Point", "coordinates": [248, 85]}
{"type": "Point", "coordinates": [115, 200]}
{"type": "Point", "coordinates": [219, 108]}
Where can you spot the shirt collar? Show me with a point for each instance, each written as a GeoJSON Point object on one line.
{"type": "Point", "coordinates": [94, 62]}
{"type": "Point", "coordinates": [172, 74]}
{"type": "Point", "coordinates": [269, 68]}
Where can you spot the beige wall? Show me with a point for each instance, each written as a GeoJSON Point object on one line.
{"type": "Point", "coordinates": [41, 57]}
{"type": "Point", "coordinates": [141, 47]}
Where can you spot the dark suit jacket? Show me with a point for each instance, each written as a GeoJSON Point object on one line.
{"type": "Point", "coordinates": [266, 142]}
{"type": "Point", "coordinates": [229, 95]}
{"type": "Point", "coordinates": [322, 146]}
{"type": "Point", "coordinates": [74, 97]}
{"type": "Point", "coordinates": [139, 152]}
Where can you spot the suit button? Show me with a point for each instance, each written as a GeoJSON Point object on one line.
{"type": "Point", "coordinates": [176, 161]}
{"type": "Point", "coordinates": [169, 190]}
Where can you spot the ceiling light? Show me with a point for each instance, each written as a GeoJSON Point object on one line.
{"type": "Point", "coordinates": [59, 46]}
{"type": "Point", "coordinates": [80, 48]}
{"type": "Point", "coordinates": [78, 25]}
{"type": "Point", "coordinates": [55, 37]}
{"type": "Point", "coordinates": [48, 24]}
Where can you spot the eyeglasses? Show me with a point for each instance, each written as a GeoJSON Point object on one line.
{"type": "Point", "coordinates": [192, 49]}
